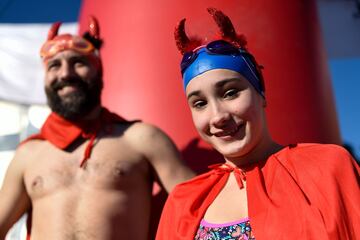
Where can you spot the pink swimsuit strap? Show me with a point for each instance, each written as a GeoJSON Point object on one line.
{"type": "Point", "coordinates": [216, 225]}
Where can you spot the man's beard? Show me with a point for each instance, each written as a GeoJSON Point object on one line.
{"type": "Point", "coordinates": [77, 104]}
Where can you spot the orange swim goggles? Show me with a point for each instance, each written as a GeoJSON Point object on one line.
{"type": "Point", "coordinates": [65, 42]}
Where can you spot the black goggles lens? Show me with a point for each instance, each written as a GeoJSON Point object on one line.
{"type": "Point", "coordinates": [187, 59]}
{"type": "Point", "coordinates": [219, 47]}
{"type": "Point", "coordinates": [222, 47]}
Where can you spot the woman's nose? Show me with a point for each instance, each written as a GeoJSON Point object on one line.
{"type": "Point", "coordinates": [220, 116]}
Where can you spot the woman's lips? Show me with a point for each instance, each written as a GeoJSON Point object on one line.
{"type": "Point", "coordinates": [229, 133]}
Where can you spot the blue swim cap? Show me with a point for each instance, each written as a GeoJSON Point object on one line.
{"type": "Point", "coordinates": [241, 63]}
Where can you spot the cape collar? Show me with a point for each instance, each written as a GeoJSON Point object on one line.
{"type": "Point", "coordinates": [62, 133]}
{"type": "Point", "coordinates": [226, 169]}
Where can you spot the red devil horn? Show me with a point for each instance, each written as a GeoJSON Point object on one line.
{"type": "Point", "coordinates": [182, 40]}
{"type": "Point", "coordinates": [183, 43]}
{"type": "Point", "coordinates": [53, 30]}
{"type": "Point", "coordinates": [226, 27]}
{"type": "Point", "coordinates": [94, 28]}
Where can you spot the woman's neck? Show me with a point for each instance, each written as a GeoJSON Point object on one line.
{"type": "Point", "coordinates": [260, 152]}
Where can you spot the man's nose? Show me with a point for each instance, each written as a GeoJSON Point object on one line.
{"type": "Point", "coordinates": [66, 72]}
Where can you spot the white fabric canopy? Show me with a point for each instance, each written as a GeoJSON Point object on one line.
{"type": "Point", "coordinates": [21, 73]}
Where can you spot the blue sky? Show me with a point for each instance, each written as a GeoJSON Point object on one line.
{"type": "Point", "coordinates": [345, 75]}
{"type": "Point", "coordinates": [17, 11]}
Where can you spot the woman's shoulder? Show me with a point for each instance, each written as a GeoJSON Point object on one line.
{"type": "Point", "coordinates": [320, 151]}
{"type": "Point", "coordinates": [309, 155]}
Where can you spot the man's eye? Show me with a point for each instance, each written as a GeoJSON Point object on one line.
{"type": "Point", "coordinates": [79, 63]}
{"type": "Point", "coordinates": [53, 66]}
{"type": "Point", "coordinates": [231, 93]}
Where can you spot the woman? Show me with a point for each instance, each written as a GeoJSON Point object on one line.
{"type": "Point", "coordinates": [263, 190]}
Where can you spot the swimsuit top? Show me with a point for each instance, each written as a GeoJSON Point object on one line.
{"type": "Point", "coordinates": [240, 229]}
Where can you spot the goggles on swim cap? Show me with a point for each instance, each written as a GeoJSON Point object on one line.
{"type": "Point", "coordinates": [66, 42]}
{"type": "Point", "coordinates": [221, 54]}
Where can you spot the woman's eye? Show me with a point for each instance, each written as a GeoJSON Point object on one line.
{"type": "Point", "coordinates": [231, 93]}
{"type": "Point", "coordinates": [199, 104]}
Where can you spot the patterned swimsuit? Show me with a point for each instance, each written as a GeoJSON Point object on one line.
{"type": "Point", "coordinates": [238, 230]}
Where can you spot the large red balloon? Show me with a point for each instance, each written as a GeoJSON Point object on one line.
{"type": "Point", "coordinates": [143, 81]}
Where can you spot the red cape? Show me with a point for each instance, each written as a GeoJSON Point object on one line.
{"type": "Point", "coordinates": [62, 133]}
{"type": "Point", "coordinates": [310, 191]}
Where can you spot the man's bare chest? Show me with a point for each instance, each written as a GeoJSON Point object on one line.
{"type": "Point", "coordinates": [113, 165]}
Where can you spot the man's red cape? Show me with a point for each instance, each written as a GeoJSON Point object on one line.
{"type": "Point", "coordinates": [62, 133]}
{"type": "Point", "coordinates": [307, 191]}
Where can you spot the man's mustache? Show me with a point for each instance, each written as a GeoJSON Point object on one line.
{"type": "Point", "coordinates": [57, 85]}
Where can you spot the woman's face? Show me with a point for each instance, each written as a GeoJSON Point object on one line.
{"type": "Point", "coordinates": [227, 111]}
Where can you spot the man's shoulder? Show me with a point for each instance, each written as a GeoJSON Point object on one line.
{"type": "Point", "coordinates": [144, 137]}
{"type": "Point", "coordinates": [140, 126]}
{"type": "Point", "coordinates": [25, 150]}
{"type": "Point", "coordinates": [30, 143]}
{"type": "Point", "coordinates": [141, 131]}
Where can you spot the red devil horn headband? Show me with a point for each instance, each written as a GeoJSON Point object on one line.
{"type": "Point", "coordinates": [183, 43]}
{"type": "Point", "coordinates": [93, 34]}
{"type": "Point", "coordinates": [226, 28]}
{"type": "Point", "coordinates": [94, 29]}
{"type": "Point", "coordinates": [86, 44]}
{"type": "Point", "coordinates": [53, 32]}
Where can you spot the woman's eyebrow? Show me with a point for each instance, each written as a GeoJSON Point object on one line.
{"type": "Point", "coordinates": [193, 93]}
{"type": "Point", "coordinates": [221, 83]}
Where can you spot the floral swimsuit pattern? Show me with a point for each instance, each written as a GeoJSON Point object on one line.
{"type": "Point", "coordinates": [239, 230]}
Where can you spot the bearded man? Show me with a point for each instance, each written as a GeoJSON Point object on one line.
{"type": "Point", "coordinates": [88, 174]}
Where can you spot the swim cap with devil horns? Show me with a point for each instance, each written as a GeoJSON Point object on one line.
{"type": "Point", "coordinates": [227, 52]}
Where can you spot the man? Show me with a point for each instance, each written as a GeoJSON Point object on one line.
{"type": "Point", "coordinates": [89, 173]}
